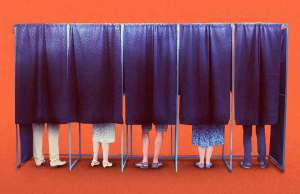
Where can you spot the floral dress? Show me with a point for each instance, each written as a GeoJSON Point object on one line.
{"type": "Point", "coordinates": [207, 135]}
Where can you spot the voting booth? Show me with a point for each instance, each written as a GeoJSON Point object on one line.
{"type": "Point", "coordinates": [168, 74]}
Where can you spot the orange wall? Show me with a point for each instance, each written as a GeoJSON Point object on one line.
{"type": "Point", "coordinates": [46, 11]}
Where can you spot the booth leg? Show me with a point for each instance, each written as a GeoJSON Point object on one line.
{"type": "Point", "coordinates": [176, 148]}
{"type": "Point", "coordinates": [72, 164]}
{"type": "Point", "coordinates": [18, 162]}
{"type": "Point", "coordinates": [171, 142]}
{"type": "Point", "coordinates": [130, 141]}
{"type": "Point", "coordinates": [124, 157]}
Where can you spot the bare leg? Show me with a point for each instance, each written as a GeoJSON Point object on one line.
{"type": "Point", "coordinates": [95, 150]}
{"type": "Point", "coordinates": [201, 151]}
{"type": "Point", "coordinates": [145, 141]}
{"type": "Point", "coordinates": [209, 151]}
{"type": "Point", "coordinates": [157, 145]}
{"type": "Point", "coordinates": [105, 151]}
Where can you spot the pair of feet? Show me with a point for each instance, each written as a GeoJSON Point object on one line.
{"type": "Point", "coordinates": [154, 165]}
{"type": "Point", "coordinates": [53, 164]}
{"type": "Point", "coordinates": [105, 164]}
{"type": "Point", "coordinates": [247, 165]}
{"type": "Point", "coordinates": [203, 165]}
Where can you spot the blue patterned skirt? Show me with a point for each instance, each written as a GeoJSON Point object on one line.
{"type": "Point", "coordinates": [208, 135]}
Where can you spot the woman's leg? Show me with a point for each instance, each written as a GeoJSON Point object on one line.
{"type": "Point", "coordinates": [95, 150]}
{"type": "Point", "coordinates": [157, 145]}
{"type": "Point", "coordinates": [105, 151]}
{"type": "Point", "coordinates": [201, 151]}
{"type": "Point", "coordinates": [145, 141]}
{"type": "Point", "coordinates": [209, 151]}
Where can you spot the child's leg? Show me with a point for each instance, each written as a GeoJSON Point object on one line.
{"type": "Point", "coordinates": [95, 150]}
{"type": "Point", "coordinates": [157, 145]}
{"type": "Point", "coordinates": [201, 151]}
{"type": "Point", "coordinates": [105, 151]}
{"type": "Point", "coordinates": [209, 151]}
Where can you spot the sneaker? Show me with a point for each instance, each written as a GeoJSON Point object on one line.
{"type": "Point", "coordinates": [246, 165]}
{"type": "Point", "coordinates": [39, 163]}
{"type": "Point", "coordinates": [199, 165]}
{"type": "Point", "coordinates": [156, 165]}
{"type": "Point", "coordinates": [263, 164]}
{"type": "Point", "coordinates": [141, 164]}
{"type": "Point", "coordinates": [57, 163]}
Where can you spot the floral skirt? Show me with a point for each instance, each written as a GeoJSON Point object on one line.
{"type": "Point", "coordinates": [208, 135]}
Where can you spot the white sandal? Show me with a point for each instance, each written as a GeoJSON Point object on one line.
{"type": "Point", "coordinates": [106, 164]}
{"type": "Point", "coordinates": [95, 163]}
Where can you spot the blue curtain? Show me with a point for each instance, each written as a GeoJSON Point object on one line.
{"type": "Point", "coordinates": [96, 56]}
{"type": "Point", "coordinates": [277, 139]}
{"type": "Point", "coordinates": [205, 74]}
{"type": "Point", "coordinates": [150, 74]}
{"type": "Point", "coordinates": [42, 75]}
{"type": "Point", "coordinates": [257, 73]}
{"type": "Point", "coordinates": [26, 142]}
{"type": "Point", "coordinates": [43, 80]}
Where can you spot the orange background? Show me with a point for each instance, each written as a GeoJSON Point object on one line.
{"type": "Point", "coordinates": [189, 180]}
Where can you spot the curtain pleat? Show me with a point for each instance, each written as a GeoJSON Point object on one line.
{"type": "Point", "coordinates": [150, 74]}
{"type": "Point", "coordinates": [42, 75]}
{"type": "Point", "coordinates": [257, 73]}
{"type": "Point", "coordinates": [96, 56]}
{"type": "Point", "coordinates": [205, 74]}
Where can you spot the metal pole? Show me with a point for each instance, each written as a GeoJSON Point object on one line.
{"type": "Point", "coordinates": [177, 95]}
{"type": "Point", "coordinates": [122, 68]}
{"type": "Point", "coordinates": [233, 94]}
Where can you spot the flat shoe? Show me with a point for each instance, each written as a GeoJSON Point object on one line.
{"type": "Point", "coordinates": [106, 164]}
{"type": "Point", "coordinates": [95, 163]}
{"type": "Point", "coordinates": [156, 165]}
{"type": "Point", "coordinates": [209, 165]}
{"type": "Point", "coordinates": [142, 165]}
{"type": "Point", "coordinates": [263, 164]}
{"type": "Point", "coordinates": [199, 165]}
{"type": "Point", "coordinates": [245, 165]}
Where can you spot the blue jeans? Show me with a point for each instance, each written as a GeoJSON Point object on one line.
{"type": "Point", "coordinates": [261, 142]}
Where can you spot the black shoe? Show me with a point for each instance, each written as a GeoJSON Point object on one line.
{"type": "Point", "coordinates": [141, 165]}
{"type": "Point", "coordinates": [246, 165]}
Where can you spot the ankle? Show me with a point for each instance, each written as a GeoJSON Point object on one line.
{"type": "Point", "coordinates": [155, 160]}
